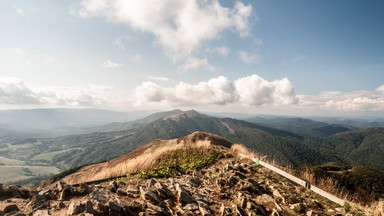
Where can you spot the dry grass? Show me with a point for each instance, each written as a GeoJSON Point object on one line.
{"type": "Point", "coordinates": [329, 185]}
{"type": "Point", "coordinates": [139, 160]}
{"type": "Point", "coordinates": [239, 148]}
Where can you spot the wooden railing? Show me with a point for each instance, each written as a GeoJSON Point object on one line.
{"type": "Point", "coordinates": [297, 180]}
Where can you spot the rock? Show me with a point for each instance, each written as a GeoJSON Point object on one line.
{"type": "Point", "coordinates": [191, 207]}
{"type": "Point", "coordinates": [88, 206]}
{"type": "Point", "coordinates": [114, 206]}
{"type": "Point", "coordinates": [48, 194]}
{"type": "Point", "coordinates": [270, 206]}
{"type": "Point", "coordinates": [151, 183]}
{"type": "Point", "coordinates": [193, 181]}
{"type": "Point", "coordinates": [133, 192]}
{"type": "Point", "coordinates": [61, 185]}
{"type": "Point", "coordinates": [203, 208]}
{"type": "Point", "coordinates": [121, 184]}
{"type": "Point", "coordinates": [263, 199]}
{"type": "Point", "coordinates": [84, 187]}
{"type": "Point", "coordinates": [63, 195]}
{"type": "Point", "coordinates": [97, 195]}
{"type": "Point", "coordinates": [239, 210]}
{"type": "Point", "coordinates": [276, 194]}
{"type": "Point", "coordinates": [112, 186]}
{"type": "Point", "coordinates": [15, 192]}
{"type": "Point", "coordinates": [197, 174]}
{"type": "Point", "coordinates": [41, 213]}
{"type": "Point", "coordinates": [298, 208]}
{"type": "Point", "coordinates": [15, 213]}
{"type": "Point", "coordinates": [10, 208]}
{"type": "Point", "coordinates": [75, 208]}
{"type": "Point", "coordinates": [243, 203]}
{"type": "Point", "coordinates": [163, 191]}
{"type": "Point", "coordinates": [60, 205]}
{"type": "Point", "coordinates": [38, 201]}
{"type": "Point", "coordinates": [183, 195]}
{"type": "Point", "coordinates": [101, 208]}
{"type": "Point", "coordinates": [156, 210]}
{"type": "Point", "coordinates": [309, 213]}
{"type": "Point", "coordinates": [225, 211]}
{"type": "Point", "coordinates": [150, 197]}
{"type": "Point", "coordinates": [250, 205]}
{"type": "Point", "coordinates": [121, 192]}
{"type": "Point", "coordinates": [86, 214]}
{"type": "Point", "coordinates": [340, 210]}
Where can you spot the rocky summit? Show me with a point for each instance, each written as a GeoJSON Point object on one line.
{"type": "Point", "coordinates": [223, 185]}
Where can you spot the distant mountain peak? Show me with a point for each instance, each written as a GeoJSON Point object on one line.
{"type": "Point", "coordinates": [184, 115]}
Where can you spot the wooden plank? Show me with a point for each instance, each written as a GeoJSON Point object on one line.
{"type": "Point", "coordinates": [297, 180]}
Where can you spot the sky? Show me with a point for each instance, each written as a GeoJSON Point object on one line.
{"type": "Point", "coordinates": [258, 57]}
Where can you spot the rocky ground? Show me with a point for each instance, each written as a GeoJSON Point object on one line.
{"type": "Point", "coordinates": [231, 186]}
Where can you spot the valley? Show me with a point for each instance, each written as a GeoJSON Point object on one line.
{"type": "Point", "coordinates": [290, 141]}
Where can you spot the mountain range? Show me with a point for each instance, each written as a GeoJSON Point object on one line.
{"type": "Point", "coordinates": [293, 142]}
{"type": "Point", "coordinates": [198, 174]}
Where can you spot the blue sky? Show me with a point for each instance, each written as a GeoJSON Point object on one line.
{"type": "Point", "coordinates": [268, 57]}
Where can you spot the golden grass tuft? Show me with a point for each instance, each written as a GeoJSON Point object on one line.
{"type": "Point", "coordinates": [142, 161]}
{"type": "Point", "coordinates": [239, 148]}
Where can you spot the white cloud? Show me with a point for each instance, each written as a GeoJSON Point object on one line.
{"type": "Point", "coordinates": [248, 58]}
{"type": "Point", "coordinates": [380, 89]}
{"type": "Point", "coordinates": [246, 91]}
{"type": "Point", "coordinates": [158, 78]}
{"type": "Point", "coordinates": [196, 63]}
{"type": "Point", "coordinates": [91, 95]}
{"type": "Point", "coordinates": [346, 101]}
{"type": "Point", "coordinates": [255, 91]}
{"type": "Point", "coordinates": [181, 28]}
{"type": "Point", "coordinates": [14, 91]}
{"type": "Point", "coordinates": [111, 64]}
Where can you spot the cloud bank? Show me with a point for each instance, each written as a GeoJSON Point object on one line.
{"type": "Point", "coordinates": [247, 91]}
{"type": "Point", "coordinates": [181, 28]}
{"type": "Point", "coordinates": [14, 91]}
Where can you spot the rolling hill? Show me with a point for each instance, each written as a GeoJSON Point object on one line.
{"type": "Point", "coordinates": [285, 146]}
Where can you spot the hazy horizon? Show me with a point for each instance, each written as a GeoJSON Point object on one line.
{"type": "Point", "coordinates": [296, 58]}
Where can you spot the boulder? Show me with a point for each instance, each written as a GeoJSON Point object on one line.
{"type": "Point", "coordinates": [151, 183]}
{"type": "Point", "coordinates": [48, 194]}
{"type": "Point", "coordinates": [38, 201]}
{"type": "Point", "coordinates": [151, 197]}
{"type": "Point", "coordinates": [163, 191]}
{"type": "Point", "coordinates": [121, 184]}
{"type": "Point", "coordinates": [99, 196]}
{"type": "Point", "coordinates": [88, 206]}
{"type": "Point", "coordinates": [113, 206]}
{"type": "Point", "coordinates": [10, 208]}
{"type": "Point", "coordinates": [183, 195]}
{"type": "Point", "coordinates": [41, 213]}
{"type": "Point", "coordinates": [156, 210]}
{"type": "Point", "coordinates": [121, 192]}
{"type": "Point", "coordinates": [133, 192]}
{"type": "Point", "coordinates": [112, 186]}
{"type": "Point", "coordinates": [203, 208]}
{"type": "Point", "coordinates": [75, 208]}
